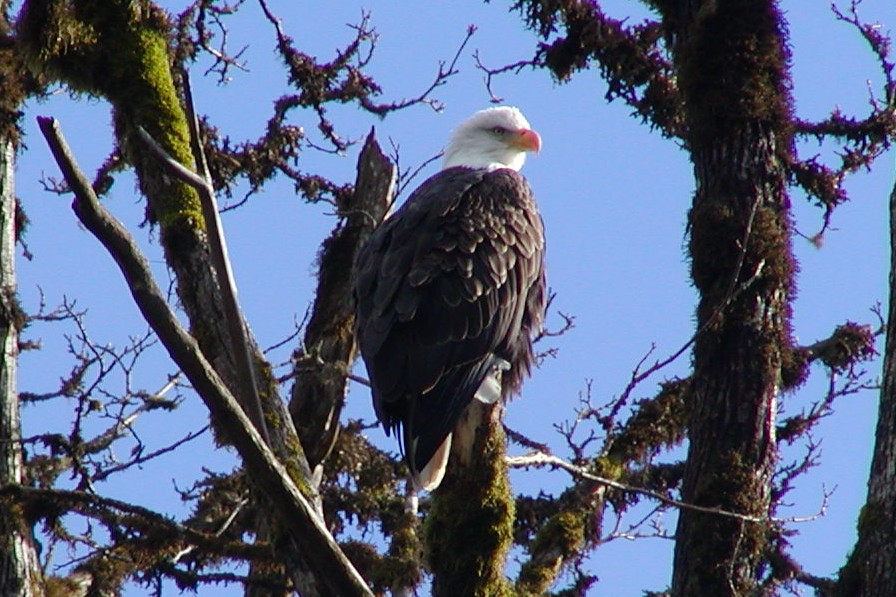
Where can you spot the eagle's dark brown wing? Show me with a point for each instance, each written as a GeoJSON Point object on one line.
{"type": "Point", "coordinates": [446, 288]}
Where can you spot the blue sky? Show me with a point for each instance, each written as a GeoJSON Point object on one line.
{"type": "Point", "coordinates": [614, 197]}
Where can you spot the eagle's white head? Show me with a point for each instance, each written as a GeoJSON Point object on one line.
{"type": "Point", "coordinates": [492, 138]}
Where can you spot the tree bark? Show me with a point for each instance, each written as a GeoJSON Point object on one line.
{"type": "Point", "coordinates": [128, 64]}
{"type": "Point", "coordinates": [20, 572]}
{"type": "Point", "coordinates": [298, 519]}
{"type": "Point", "coordinates": [870, 572]}
{"type": "Point", "coordinates": [328, 351]}
{"type": "Point", "coordinates": [732, 63]}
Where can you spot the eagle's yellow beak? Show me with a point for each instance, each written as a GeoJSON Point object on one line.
{"type": "Point", "coordinates": [527, 140]}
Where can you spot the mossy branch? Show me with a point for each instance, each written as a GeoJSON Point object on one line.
{"type": "Point", "coordinates": [630, 58]}
{"type": "Point", "coordinates": [469, 529]}
{"type": "Point", "coordinates": [241, 347]}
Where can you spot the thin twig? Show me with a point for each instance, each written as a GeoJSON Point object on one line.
{"type": "Point", "coordinates": [446, 71]}
{"type": "Point", "coordinates": [491, 73]}
{"type": "Point", "coordinates": [540, 459]}
{"type": "Point", "coordinates": [154, 454]}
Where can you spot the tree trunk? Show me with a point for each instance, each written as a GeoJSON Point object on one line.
{"type": "Point", "coordinates": [870, 572]}
{"type": "Point", "coordinates": [20, 572]}
{"type": "Point", "coordinates": [732, 63]}
{"type": "Point", "coordinates": [469, 529]}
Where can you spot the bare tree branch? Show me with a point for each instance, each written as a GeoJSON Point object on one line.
{"type": "Point", "coordinates": [540, 459]}
{"type": "Point", "coordinates": [221, 262]}
{"type": "Point", "coordinates": [296, 514]}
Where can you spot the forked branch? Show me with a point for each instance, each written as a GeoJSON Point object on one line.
{"type": "Point", "coordinates": [240, 343]}
{"type": "Point", "coordinates": [331, 567]}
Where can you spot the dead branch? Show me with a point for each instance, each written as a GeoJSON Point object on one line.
{"type": "Point", "coordinates": [223, 59]}
{"type": "Point", "coordinates": [295, 512]}
{"type": "Point", "coordinates": [540, 459]}
{"type": "Point", "coordinates": [207, 19]}
{"type": "Point", "coordinates": [241, 348]}
{"type": "Point", "coordinates": [445, 71]}
{"type": "Point", "coordinates": [492, 73]}
{"type": "Point", "coordinates": [323, 364]}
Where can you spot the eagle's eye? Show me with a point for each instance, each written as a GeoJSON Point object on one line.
{"type": "Point", "coordinates": [499, 130]}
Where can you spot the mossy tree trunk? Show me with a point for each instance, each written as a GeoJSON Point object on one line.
{"type": "Point", "coordinates": [20, 571]}
{"type": "Point", "coordinates": [119, 50]}
{"type": "Point", "coordinates": [870, 570]}
{"type": "Point", "coordinates": [732, 63]}
{"type": "Point", "coordinates": [469, 529]}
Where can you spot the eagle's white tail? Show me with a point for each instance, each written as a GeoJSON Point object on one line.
{"type": "Point", "coordinates": [432, 474]}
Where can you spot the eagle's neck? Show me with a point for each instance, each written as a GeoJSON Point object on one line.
{"type": "Point", "coordinates": [483, 156]}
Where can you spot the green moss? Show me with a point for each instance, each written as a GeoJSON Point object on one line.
{"type": "Point", "coordinates": [118, 50]}
{"type": "Point", "coordinates": [469, 530]}
{"type": "Point", "coordinates": [658, 422]}
{"type": "Point", "coordinates": [735, 545]}
{"type": "Point", "coordinates": [733, 70]}
{"type": "Point", "coordinates": [561, 538]}
{"type": "Point", "coordinates": [566, 530]}
{"type": "Point", "coordinates": [273, 419]}
{"type": "Point", "coordinates": [11, 312]}
{"type": "Point", "coordinates": [142, 90]}
{"type": "Point", "coordinates": [608, 467]}
{"type": "Point", "coordinates": [401, 567]}
{"type": "Point", "coordinates": [734, 487]}
{"type": "Point", "coordinates": [13, 90]}
{"type": "Point", "coordinates": [57, 43]}
{"type": "Point", "coordinates": [58, 586]}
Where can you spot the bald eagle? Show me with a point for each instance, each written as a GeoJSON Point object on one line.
{"type": "Point", "coordinates": [451, 288]}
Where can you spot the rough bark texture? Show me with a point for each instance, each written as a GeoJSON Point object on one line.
{"type": "Point", "coordinates": [469, 530]}
{"type": "Point", "coordinates": [732, 62]}
{"type": "Point", "coordinates": [20, 572]}
{"type": "Point", "coordinates": [323, 364]}
{"type": "Point", "coordinates": [870, 572]}
{"type": "Point", "coordinates": [119, 51]}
